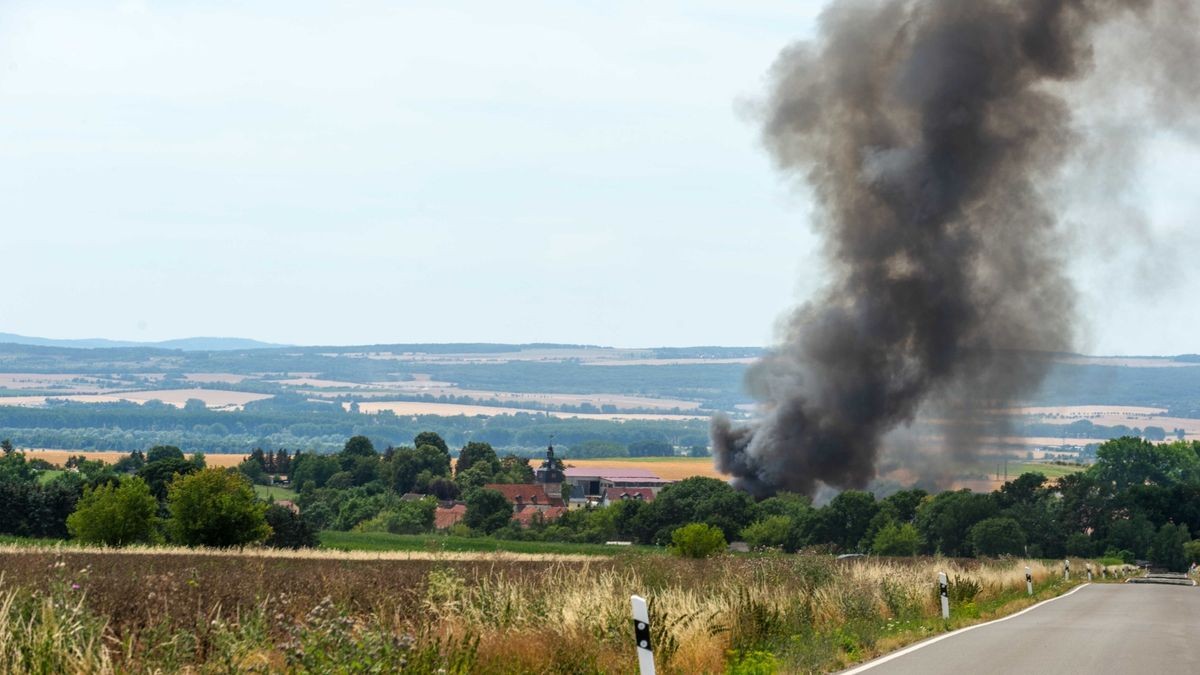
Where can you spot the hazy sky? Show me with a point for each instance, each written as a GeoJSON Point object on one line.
{"type": "Point", "coordinates": [360, 172]}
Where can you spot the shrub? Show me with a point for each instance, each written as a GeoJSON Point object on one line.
{"type": "Point", "coordinates": [698, 540]}
{"type": "Point", "coordinates": [115, 515]}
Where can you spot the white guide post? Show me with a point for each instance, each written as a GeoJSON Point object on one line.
{"type": "Point", "coordinates": [641, 635]}
{"type": "Point", "coordinates": [1089, 569]}
{"type": "Point", "coordinates": [944, 587]}
{"type": "Point", "coordinates": [1029, 581]}
{"type": "Point", "coordinates": [1067, 570]}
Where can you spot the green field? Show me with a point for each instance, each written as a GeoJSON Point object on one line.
{"type": "Point", "coordinates": [382, 541]}
{"type": "Point", "coordinates": [1015, 469]}
{"type": "Point", "coordinates": [279, 493]}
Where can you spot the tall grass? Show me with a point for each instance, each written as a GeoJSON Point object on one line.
{"type": "Point", "coordinates": [729, 614]}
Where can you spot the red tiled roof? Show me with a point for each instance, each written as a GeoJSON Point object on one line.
{"type": "Point", "coordinates": [444, 517]}
{"type": "Point", "coordinates": [525, 494]}
{"type": "Point", "coordinates": [644, 494]}
{"type": "Point", "coordinates": [525, 516]}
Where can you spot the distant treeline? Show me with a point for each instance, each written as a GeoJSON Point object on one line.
{"type": "Point", "coordinates": [290, 421]}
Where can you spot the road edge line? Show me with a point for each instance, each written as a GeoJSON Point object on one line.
{"type": "Point", "coordinates": [925, 643]}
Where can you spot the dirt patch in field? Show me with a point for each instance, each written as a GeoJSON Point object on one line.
{"type": "Point", "coordinates": [670, 468]}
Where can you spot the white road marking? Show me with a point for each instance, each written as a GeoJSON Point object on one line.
{"type": "Point", "coordinates": [921, 645]}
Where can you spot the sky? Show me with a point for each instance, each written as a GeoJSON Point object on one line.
{"type": "Point", "coordinates": [382, 172]}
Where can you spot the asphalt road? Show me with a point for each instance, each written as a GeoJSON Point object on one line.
{"type": "Point", "coordinates": [1100, 628]}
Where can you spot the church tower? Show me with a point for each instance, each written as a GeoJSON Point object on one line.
{"type": "Point", "coordinates": [550, 474]}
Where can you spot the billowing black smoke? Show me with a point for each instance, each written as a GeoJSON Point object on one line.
{"type": "Point", "coordinates": [931, 133]}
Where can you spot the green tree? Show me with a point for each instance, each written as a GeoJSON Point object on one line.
{"type": "Point", "coordinates": [356, 447]}
{"type": "Point", "coordinates": [405, 468]}
{"type": "Point", "coordinates": [473, 453]}
{"type": "Point", "coordinates": [1168, 549]}
{"type": "Point", "coordinates": [696, 500]}
{"type": "Point", "coordinates": [1127, 461]}
{"type": "Point", "coordinates": [997, 536]}
{"type": "Point", "coordinates": [253, 471]}
{"type": "Point", "coordinates": [160, 473]}
{"type": "Point", "coordinates": [515, 469]}
{"type": "Point", "coordinates": [161, 452]}
{"type": "Point", "coordinates": [288, 529]}
{"type": "Point", "coordinates": [6, 446]}
{"type": "Point", "coordinates": [311, 467]}
{"type": "Point", "coordinates": [215, 508]}
{"type": "Point", "coordinates": [770, 532]}
{"type": "Point", "coordinates": [844, 521]}
{"type": "Point", "coordinates": [431, 438]}
{"type": "Point", "coordinates": [895, 539]}
{"type": "Point", "coordinates": [698, 540]}
{"type": "Point", "coordinates": [487, 510]}
{"type": "Point", "coordinates": [946, 520]}
{"type": "Point", "coordinates": [116, 514]}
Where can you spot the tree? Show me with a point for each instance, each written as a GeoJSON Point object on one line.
{"type": "Point", "coordinates": [253, 471]}
{"type": "Point", "coordinates": [160, 473]}
{"type": "Point", "coordinates": [845, 520]}
{"type": "Point", "coordinates": [216, 508]}
{"type": "Point", "coordinates": [431, 438]}
{"type": "Point", "coordinates": [770, 532]}
{"type": "Point", "coordinates": [116, 515]}
{"type": "Point", "coordinates": [698, 540]}
{"type": "Point", "coordinates": [515, 469]}
{"type": "Point", "coordinates": [311, 467]}
{"type": "Point", "coordinates": [696, 500]}
{"type": "Point", "coordinates": [6, 446]}
{"type": "Point", "coordinates": [407, 465]}
{"type": "Point", "coordinates": [289, 529]}
{"type": "Point", "coordinates": [1168, 550]}
{"type": "Point", "coordinates": [945, 521]}
{"type": "Point", "coordinates": [897, 540]}
{"type": "Point", "coordinates": [651, 449]}
{"type": "Point", "coordinates": [356, 447]}
{"type": "Point", "coordinates": [997, 536]}
{"type": "Point", "coordinates": [487, 510]}
{"type": "Point", "coordinates": [473, 453]}
{"type": "Point", "coordinates": [161, 452]}
{"type": "Point", "coordinates": [1127, 461]}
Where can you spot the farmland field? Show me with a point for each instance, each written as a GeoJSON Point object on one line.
{"type": "Point", "coordinates": [59, 457]}
{"type": "Point", "coordinates": [452, 409]}
{"type": "Point", "coordinates": [671, 468]}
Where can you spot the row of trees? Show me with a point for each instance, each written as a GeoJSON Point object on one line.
{"type": "Point", "coordinates": [152, 497]}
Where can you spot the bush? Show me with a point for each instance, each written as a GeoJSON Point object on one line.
{"type": "Point", "coordinates": [115, 515]}
{"type": "Point", "coordinates": [698, 540]}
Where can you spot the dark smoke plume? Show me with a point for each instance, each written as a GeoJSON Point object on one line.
{"type": "Point", "coordinates": [931, 133]}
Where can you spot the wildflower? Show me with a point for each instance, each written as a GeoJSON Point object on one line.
{"type": "Point", "coordinates": [74, 587]}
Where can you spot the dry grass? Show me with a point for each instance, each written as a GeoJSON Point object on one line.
{"type": "Point", "coordinates": [501, 615]}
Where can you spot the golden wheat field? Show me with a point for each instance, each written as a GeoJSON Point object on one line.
{"type": "Point", "coordinates": [59, 457]}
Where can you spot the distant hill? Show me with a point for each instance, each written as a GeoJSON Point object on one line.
{"type": "Point", "coordinates": [192, 344]}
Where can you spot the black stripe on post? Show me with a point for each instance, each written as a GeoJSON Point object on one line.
{"type": "Point", "coordinates": [641, 634]}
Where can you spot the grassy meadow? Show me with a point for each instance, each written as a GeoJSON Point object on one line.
{"type": "Point", "coordinates": [102, 611]}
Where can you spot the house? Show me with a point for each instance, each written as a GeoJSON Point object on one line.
{"type": "Point", "coordinates": [590, 483]}
{"type": "Point", "coordinates": [527, 517]}
{"type": "Point", "coordinates": [616, 494]}
{"type": "Point", "coordinates": [446, 516]}
{"type": "Point", "coordinates": [526, 496]}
